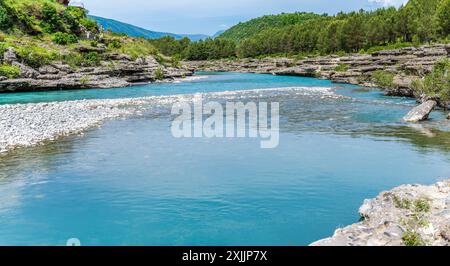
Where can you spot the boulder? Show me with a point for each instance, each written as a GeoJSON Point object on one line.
{"type": "Point", "coordinates": [448, 116]}
{"type": "Point", "coordinates": [421, 112]}
{"type": "Point", "coordinates": [48, 70]}
{"type": "Point", "coordinates": [26, 71]}
{"type": "Point", "coordinates": [9, 56]}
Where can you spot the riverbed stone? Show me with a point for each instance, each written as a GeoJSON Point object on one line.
{"type": "Point", "coordinates": [421, 112]}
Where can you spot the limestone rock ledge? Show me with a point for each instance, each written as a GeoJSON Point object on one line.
{"type": "Point", "coordinates": [406, 64]}
{"type": "Point", "coordinates": [406, 215]}
{"type": "Point", "coordinates": [117, 70]}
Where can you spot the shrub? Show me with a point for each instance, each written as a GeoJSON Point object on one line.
{"type": "Point", "coordinates": [159, 74]}
{"type": "Point", "coordinates": [64, 38]}
{"type": "Point", "coordinates": [412, 239]}
{"type": "Point", "coordinates": [114, 44]}
{"type": "Point", "coordinates": [3, 48]}
{"type": "Point", "coordinates": [89, 24]}
{"type": "Point", "coordinates": [422, 206]}
{"type": "Point", "coordinates": [72, 16]}
{"type": "Point", "coordinates": [9, 71]}
{"type": "Point", "coordinates": [91, 59]}
{"type": "Point", "coordinates": [437, 83]}
{"type": "Point", "coordinates": [51, 20]}
{"type": "Point", "coordinates": [341, 68]}
{"type": "Point", "coordinates": [5, 21]}
{"type": "Point", "coordinates": [383, 79]}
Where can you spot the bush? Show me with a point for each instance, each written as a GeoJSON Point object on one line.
{"type": "Point", "coordinates": [114, 44]}
{"type": "Point", "coordinates": [91, 59]}
{"type": "Point", "coordinates": [412, 239]}
{"type": "Point", "coordinates": [9, 71]}
{"type": "Point", "coordinates": [89, 24]}
{"type": "Point", "coordinates": [5, 21]}
{"type": "Point", "coordinates": [51, 20]}
{"type": "Point", "coordinates": [72, 16]}
{"type": "Point", "coordinates": [383, 79]}
{"type": "Point", "coordinates": [341, 68]}
{"type": "Point", "coordinates": [159, 74]}
{"type": "Point", "coordinates": [437, 83]}
{"type": "Point", "coordinates": [64, 38]}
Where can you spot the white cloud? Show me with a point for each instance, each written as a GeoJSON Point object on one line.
{"type": "Point", "coordinates": [396, 3]}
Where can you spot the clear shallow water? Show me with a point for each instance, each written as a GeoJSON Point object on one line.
{"type": "Point", "coordinates": [131, 183]}
{"type": "Point", "coordinates": [215, 82]}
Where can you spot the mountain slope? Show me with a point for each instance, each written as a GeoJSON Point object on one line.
{"type": "Point", "coordinates": [252, 27]}
{"type": "Point", "coordinates": [134, 31]}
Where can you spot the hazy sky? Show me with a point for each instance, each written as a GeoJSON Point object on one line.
{"type": "Point", "coordinates": [210, 16]}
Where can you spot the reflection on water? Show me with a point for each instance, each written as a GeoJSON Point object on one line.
{"type": "Point", "coordinates": [131, 183]}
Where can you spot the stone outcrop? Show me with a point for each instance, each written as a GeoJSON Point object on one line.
{"type": "Point", "coordinates": [405, 64]}
{"type": "Point", "coordinates": [116, 70]}
{"type": "Point", "coordinates": [9, 56]}
{"type": "Point", "coordinates": [421, 112]}
{"type": "Point", "coordinates": [407, 215]}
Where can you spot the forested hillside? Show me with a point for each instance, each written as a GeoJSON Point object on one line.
{"type": "Point", "coordinates": [35, 33]}
{"type": "Point", "coordinates": [134, 31]}
{"type": "Point", "coordinates": [249, 29]}
{"type": "Point", "coordinates": [418, 22]}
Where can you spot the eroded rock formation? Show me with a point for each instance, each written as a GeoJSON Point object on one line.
{"type": "Point", "coordinates": [116, 70]}
{"type": "Point", "coordinates": [407, 215]}
{"type": "Point", "coordinates": [405, 64]}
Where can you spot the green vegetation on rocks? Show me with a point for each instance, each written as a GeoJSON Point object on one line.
{"type": "Point", "coordinates": [383, 79]}
{"type": "Point", "coordinates": [9, 71]}
{"type": "Point", "coordinates": [417, 219]}
{"type": "Point", "coordinates": [436, 85]}
{"type": "Point", "coordinates": [41, 32]}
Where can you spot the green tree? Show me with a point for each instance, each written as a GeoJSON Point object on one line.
{"type": "Point", "coordinates": [443, 18]}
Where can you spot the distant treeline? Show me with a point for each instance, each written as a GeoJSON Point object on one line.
{"type": "Point", "coordinates": [418, 22]}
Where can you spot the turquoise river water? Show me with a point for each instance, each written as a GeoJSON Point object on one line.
{"type": "Point", "coordinates": [130, 182]}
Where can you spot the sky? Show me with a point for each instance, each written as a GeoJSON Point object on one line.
{"type": "Point", "coordinates": [211, 16]}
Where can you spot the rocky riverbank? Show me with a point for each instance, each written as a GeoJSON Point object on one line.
{"type": "Point", "coordinates": [405, 65]}
{"type": "Point", "coordinates": [24, 125]}
{"type": "Point", "coordinates": [115, 70]}
{"type": "Point", "coordinates": [407, 215]}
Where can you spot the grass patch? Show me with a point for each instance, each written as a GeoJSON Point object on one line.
{"type": "Point", "coordinates": [415, 220]}
{"type": "Point", "coordinates": [383, 79]}
{"type": "Point", "coordinates": [9, 71]}
{"type": "Point", "coordinates": [36, 56]}
{"type": "Point", "coordinates": [341, 68]}
{"type": "Point", "coordinates": [412, 239]}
